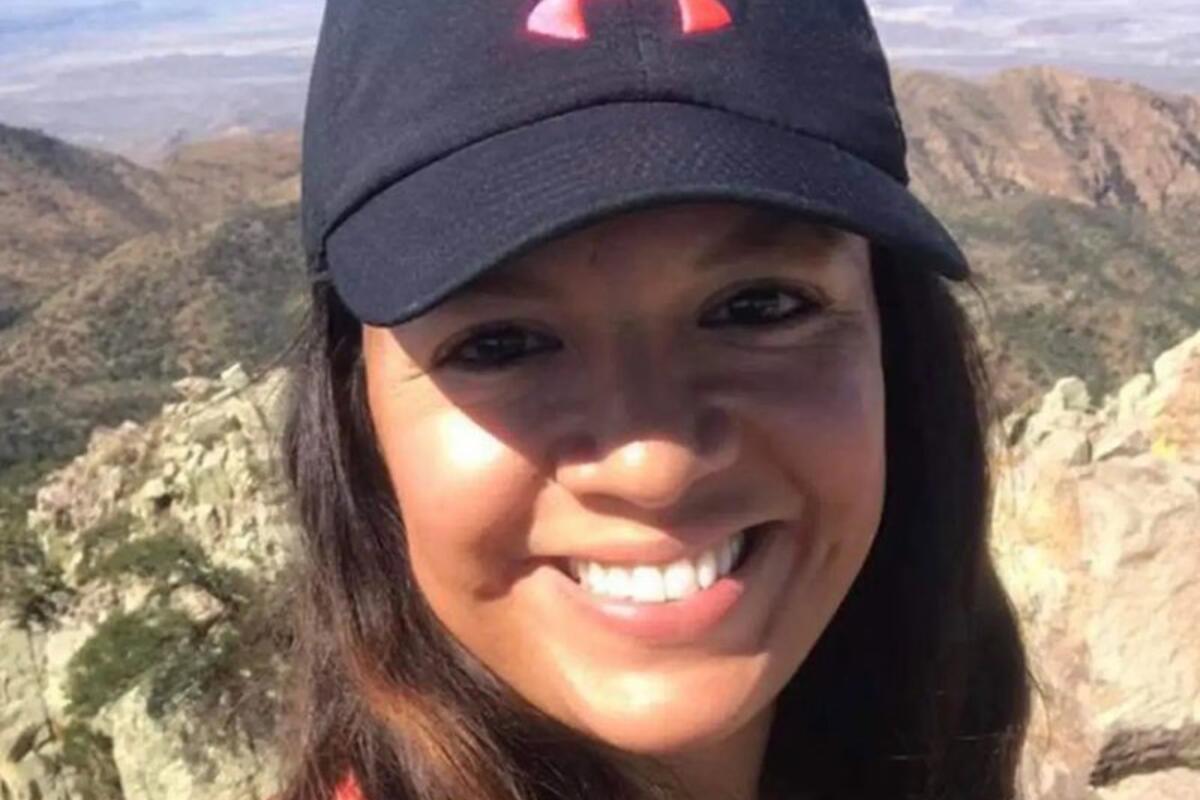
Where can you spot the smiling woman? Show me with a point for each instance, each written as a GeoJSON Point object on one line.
{"type": "Point", "coordinates": [638, 411]}
{"type": "Point", "coordinates": [664, 478]}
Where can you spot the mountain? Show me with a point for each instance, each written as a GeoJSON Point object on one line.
{"type": "Point", "coordinates": [237, 170]}
{"type": "Point", "coordinates": [64, 207]}
{"type": "Point", "coordinates": [1102, 143]}
{"type": "Point", "coordinates": [123, 279]}
{"type": "Point", "coordinates": [105, 346]}
{"type": "Point", "coordinates": [1075, 200]}
{"type": "Point", "coordinates": [138, 77]}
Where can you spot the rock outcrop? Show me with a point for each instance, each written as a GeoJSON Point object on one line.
{"type": "Point", "coordinates": [1097, 534]}
{"type": "Point", "coordinates": [152, 617]}
{"type": "Point", "coordinates": [162, 543]}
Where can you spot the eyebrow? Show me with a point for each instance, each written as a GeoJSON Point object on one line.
{"type": "Point", "coordinates": [762, 230]}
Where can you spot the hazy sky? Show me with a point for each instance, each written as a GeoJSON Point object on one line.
{"type": "Point", "coordinates": [1137, 38]}
{"type": "Point", "coordinates": [63, 33]}
{"type": "Point", "coordinates": [133, 74]}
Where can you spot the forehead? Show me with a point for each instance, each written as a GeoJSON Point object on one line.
{"type": "Point", "coordinates": [694, 236]}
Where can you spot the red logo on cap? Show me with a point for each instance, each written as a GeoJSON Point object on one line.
{"type": "Point", "coordinates": [563, 19]}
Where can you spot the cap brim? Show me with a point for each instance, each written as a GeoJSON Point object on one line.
{"type": "Point", "coordinates": [436, 229]}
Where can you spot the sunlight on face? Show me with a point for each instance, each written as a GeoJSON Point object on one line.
{"type": "Point", "coordinates": [628, 402]}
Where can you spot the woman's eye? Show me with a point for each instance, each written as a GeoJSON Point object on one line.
{"type": "Point", "coordinates": [497, 347]}
{"type": "Point", "coordinates": [759, 306]}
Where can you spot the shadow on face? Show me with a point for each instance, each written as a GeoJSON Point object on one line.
{"type": "Point", "coordinates": [640, 393]}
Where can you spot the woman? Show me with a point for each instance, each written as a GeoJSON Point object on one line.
{"type": "Point", "coordinates": [638, 442]}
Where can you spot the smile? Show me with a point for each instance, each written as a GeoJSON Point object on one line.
{"type": "Point", "coordinates": [685, 599]}
{"type": "Point", "coordinates": [650, 583]}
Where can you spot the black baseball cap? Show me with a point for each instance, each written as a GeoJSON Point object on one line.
{"type": "Point", "coordinates": [444, 136]}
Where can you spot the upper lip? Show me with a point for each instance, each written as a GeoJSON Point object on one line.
{"type": "Point", "coordinates": [660, 548]}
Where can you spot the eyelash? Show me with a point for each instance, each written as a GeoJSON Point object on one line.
{"type": "Point", "coordinates": [800, 302]}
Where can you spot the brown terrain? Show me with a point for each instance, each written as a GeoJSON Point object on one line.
{"type": "Point", "coordinates": [140, 645]}
{"type": "Point", "coordinates": [1037, 130]}
{"type": "Point", "coordinates": [1074, 197]}
{"type": "Point", "coordinates": [117, 279]}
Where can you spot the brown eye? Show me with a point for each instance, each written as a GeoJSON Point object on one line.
{"type": "Point", "coordinates": [760, 306]}
{"type": "Point", "coordinates": [498, 347]}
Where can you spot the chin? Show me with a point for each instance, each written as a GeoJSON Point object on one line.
{"type": "Point", "coordinates": [650, 716]}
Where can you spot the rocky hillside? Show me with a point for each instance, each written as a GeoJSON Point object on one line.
{"type": "Point", "coordinates": [1074, 197]}
{"type": "Point", "coordinates": [140, 646]}
{"type": "Point", "coordinates": [64, 207]}
{"type": "Point", "coordinates": [116, 280]}
{"type": "Point", "coordinates": [1097, 534]}
{"type": "Point", "coordinates": [237, 171]}
{"type": "Point", "coordinates": [141, 654]}
{"type": "Point", "coordinates": [105, 347]}
{"type": "Point", "coordinates": [1076, 200]}
{"type": "Point", "coordinates": [1049, 132]}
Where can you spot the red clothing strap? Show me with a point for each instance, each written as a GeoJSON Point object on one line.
{"type": "Point", "coordinates": [348, 789]}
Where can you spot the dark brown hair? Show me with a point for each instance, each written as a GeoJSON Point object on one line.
{"type": "Point", "coordinates": [917, 689]}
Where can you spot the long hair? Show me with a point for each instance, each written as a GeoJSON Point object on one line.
{"type": "Point", "coordinates": [916, 689]}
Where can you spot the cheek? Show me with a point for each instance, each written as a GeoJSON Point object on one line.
{"type": "Point", "coordinates": [821, 420]}
{"type": "Point", "coordinates": [466, 497]}
{"type": "Point", "coordinates": [820, 425]}
{"type": "Point", "coordinates": [835, 433]}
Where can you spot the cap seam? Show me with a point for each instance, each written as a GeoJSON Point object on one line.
{"type": "Point", "coordinates": [635, 26]}
{"type": "Point", "coordinates": [381, 186]}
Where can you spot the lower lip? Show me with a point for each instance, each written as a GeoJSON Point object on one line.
{"type": "Point", "coordinates": [676, 620]}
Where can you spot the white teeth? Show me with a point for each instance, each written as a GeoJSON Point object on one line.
{"type": "Point", "coordinates": [644, 583]}
{"type": "Point", "coordinates": [679, 579]}
{"type": "Point", "coordinates": [647, 585]}
{"type": "Point", "coordinates": [617, 582]}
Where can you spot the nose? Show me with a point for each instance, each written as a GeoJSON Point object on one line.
{"type": "Point", "coordinates": [646, 440]}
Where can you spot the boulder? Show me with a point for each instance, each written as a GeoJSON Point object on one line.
{"type": "Point", "coordinates": [1096, 531]}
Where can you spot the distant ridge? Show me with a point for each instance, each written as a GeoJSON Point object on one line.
{"type": "Point", "coordinates": [116, 279]}
{"type": "Point", "coordinates": [64, 206]}
{"type": "Point", "coordinates": [1099, 142]}
{"type": "Point", "coordinates": [1075, 198]}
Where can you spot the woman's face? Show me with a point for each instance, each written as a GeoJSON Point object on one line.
{"type": "Point", "coordinates": [641, 465]}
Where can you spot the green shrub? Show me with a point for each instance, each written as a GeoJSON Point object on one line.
{"type": "Point", "coordinates": [230, 678]}
{"type": "Point", "coordinates": [169, 560]}
{"type": "Point", "coordinates": [36, 597]}
{"type": "Point", "coordinates": [197, 675]}
{"type": "Point", "coordinates": [90, 755]}
{"type": "Point", "coordinates": [102, 537]}
{"type": "Point", "coordinates": [32, 589]}
{"type": "Point", "coordinates": [120, 654]}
